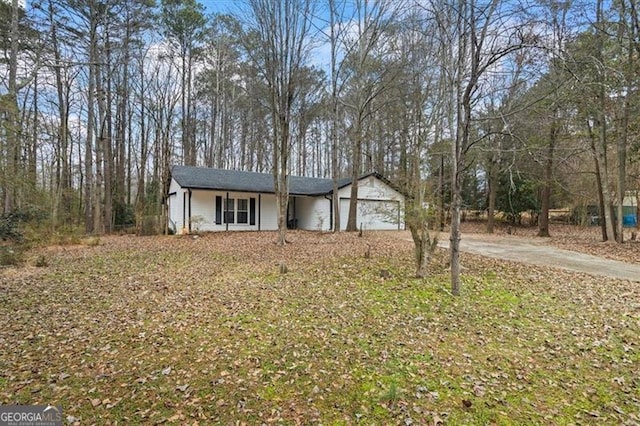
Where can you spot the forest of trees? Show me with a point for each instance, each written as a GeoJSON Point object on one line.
{"type": "Point", "coordinates": [496, 105]}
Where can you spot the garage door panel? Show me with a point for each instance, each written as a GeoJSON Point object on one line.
{"type": "Point", "coordinates": [372, 214]}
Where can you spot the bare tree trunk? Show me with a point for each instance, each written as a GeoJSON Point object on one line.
{"type": "Point", "coordinates": [602, 172]}
{"type": "Point", "coordinates": [419, 218]}
{"type": "Point", "coordinates": [600, 189]}
{"type": "Point", "coordinates": [11, 175]}
{"type": "Point", "coordinates": [334, 173]}
{"type": "Point", "coordinates": [32, 149]}
{"type": "Point", "coordinates": [280, 173]}
{"type": "Point", "coordinates": [454, 238]}
{"type": "Point", "coordinates": [493, 191]}
{"type": "Point", "coordinates": [144, 148]}
{"type": "Point", "coordinates": [352, 224]}
{"type": "Point", "coordinates": [601, 146]}
{"type": "Point", "coordinates": [104, 88]}
{"type": "Point", "coordinates": [466, 27]}
{"type": "Point", "coordinates": [89, 190]}
{"type": "Point", "coordinates": [120, 187]}
{"type": "Point", "coordinates": [545, 201]}
{"type": "Point", "coordinates": [62, 203]}
{"type": "Point", "coordinates": [333, 12]}
{"type": "Point", "coordinates": [624, 121]}
{"type": "Point", "coordinates": [622, 173]}
{"type": "Point", "coordinates": [424, 246]}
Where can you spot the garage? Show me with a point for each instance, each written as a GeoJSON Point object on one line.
{"type": "Point", "coordinates": [373, 214]}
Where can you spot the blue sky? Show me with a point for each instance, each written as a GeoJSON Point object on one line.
{"type": "Point", "coordinates": [221, 6]}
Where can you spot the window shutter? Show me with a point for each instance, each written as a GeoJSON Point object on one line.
{"type": "Point", "coordinates": [218, 210]}
{"type": "Point", "coordinates": [252, 211]}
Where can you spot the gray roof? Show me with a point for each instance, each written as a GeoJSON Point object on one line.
{"type": "Point", "coordinates": [240, 181]}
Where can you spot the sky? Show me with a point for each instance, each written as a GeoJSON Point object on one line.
{"type": "Point", "coordinates": [221, 6]}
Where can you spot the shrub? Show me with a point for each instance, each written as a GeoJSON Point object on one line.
{"type": "Point", "coordinates": [516, 195]}
{"type": "Point", "coordinates": [10, 227]}
{"type": "Point", "coordinates": [11, 255]}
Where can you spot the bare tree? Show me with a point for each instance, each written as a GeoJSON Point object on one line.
{"type": "Point", "coordinates": [601, 146]}
{"type": "Point", "coordinates": [626, 39]}
{"type": "Point", "coordinates": [480, 36]}
{"type": "Point", "coordinates": [336, 11]}
{"type": "Point", "coordinates": [366, 79]}
{"type": "Point", "coordinates": [184, 23]}
{"type": "Point", "coordinates": [282, 31]}
{"type": "Point", "coordinates": [19, 48]}
{"type": "Point", "coordinates": [420, 111]}
{"type": "Point", "coordinates": [10, 111]}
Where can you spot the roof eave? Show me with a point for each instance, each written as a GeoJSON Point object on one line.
{"type": "Point", "coordinates": [209, 188]}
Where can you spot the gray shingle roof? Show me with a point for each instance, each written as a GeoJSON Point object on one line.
{"type": "Point", "coordinates": [240, 181]}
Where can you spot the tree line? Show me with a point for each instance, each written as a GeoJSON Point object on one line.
{"type": "Point", "coordinates": [493, 105]}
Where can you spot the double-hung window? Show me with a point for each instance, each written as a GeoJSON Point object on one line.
{"type": "Point", "coordinates": [229, 210]}
{"type": "Point", "coordinates": [242, 211]}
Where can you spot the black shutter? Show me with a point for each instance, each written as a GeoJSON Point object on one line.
{"type": "Point", "coordinates": [218, 210]}
{"type": "Point", "coordinates": [252, 211]}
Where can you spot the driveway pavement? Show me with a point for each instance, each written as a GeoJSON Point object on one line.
{"type": "Point", "coordinates": [536, 253]}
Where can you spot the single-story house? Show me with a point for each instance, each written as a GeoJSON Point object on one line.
{"type": "Point", "coordinates": [207, 199]}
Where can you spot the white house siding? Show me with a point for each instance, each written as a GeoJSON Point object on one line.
{"type": "Point", "coordinates": [175, 206]}
{"type": "Point", "coordinates": [380, 207]}
{"type": "Point", "coordinates": [203, 204]}
{"type": "Point", "coordinates": [268, 213]}
{"type": "Point", "coordinates": [313, 213]}
{"type": "Point", "coordinates": [203, 211]}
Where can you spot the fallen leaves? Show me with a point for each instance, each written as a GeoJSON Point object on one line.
{"type": "Point", "coordinates": [170, 330]}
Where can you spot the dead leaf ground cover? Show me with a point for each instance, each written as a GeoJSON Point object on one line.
{"type": "Point", "coordinates": [179, 330]}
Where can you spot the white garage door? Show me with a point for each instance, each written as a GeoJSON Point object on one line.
{"type": "Point", "coordinates": [372, 214]}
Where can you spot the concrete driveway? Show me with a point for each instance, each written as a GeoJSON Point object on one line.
{"type": "Point", "coordinates": [532, 252]}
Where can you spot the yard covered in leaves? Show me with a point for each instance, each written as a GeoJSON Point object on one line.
{"type": "Point", "coordinates": [183, 330]}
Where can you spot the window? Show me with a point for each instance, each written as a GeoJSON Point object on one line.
{"type": "Point", "coordinates": [243, 211]}
{"type": "Point", "coordinates": [240, 211]}
{"type": "Point", "coordinates": [229, 211]}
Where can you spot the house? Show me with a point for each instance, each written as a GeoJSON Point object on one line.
{"type": "Point", "coordinates": [207, 199]}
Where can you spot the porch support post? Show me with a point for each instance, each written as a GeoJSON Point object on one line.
{"type": "Point", "coordinates": [259, 210]}
{"type": "Point", "coordinates": [294, 222]}
{"type": "Point", "coordinates": [190, 193]}
{"type": "Point", "coordinates": [224, 212]}
{"type": "Point", "coordinates": [184, 210]}
{"type": "Point", "coordinates": [331, 212]}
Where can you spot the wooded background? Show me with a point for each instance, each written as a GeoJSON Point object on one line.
{"type": "Point", "coordinates": [512, 106]}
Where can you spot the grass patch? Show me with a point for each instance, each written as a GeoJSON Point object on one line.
{"type": "Point", "coordinates": [175, 330]}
